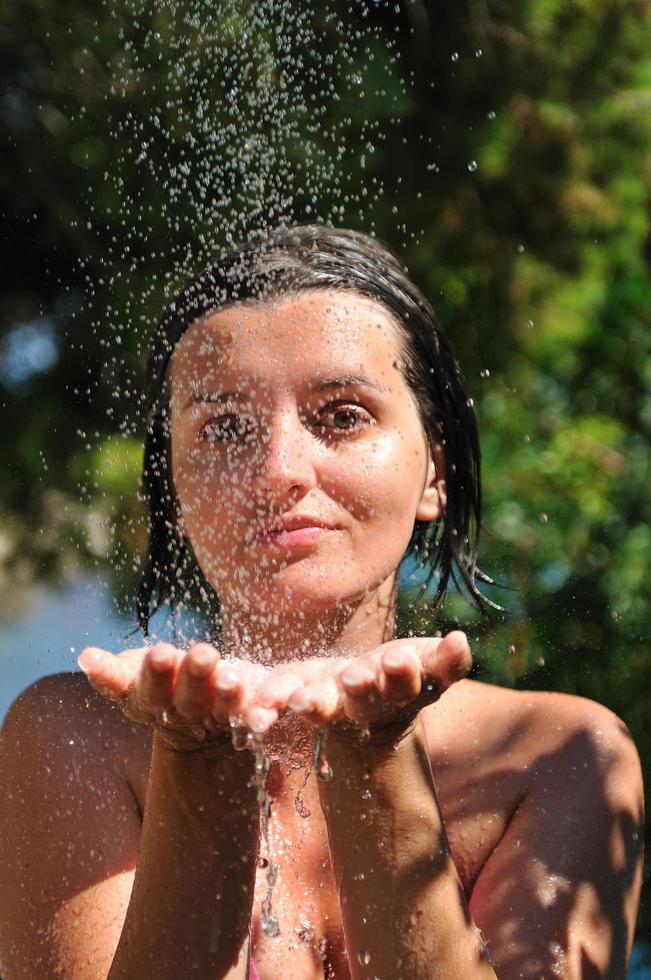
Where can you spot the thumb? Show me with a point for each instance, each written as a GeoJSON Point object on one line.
{"type": "Point", "coordinates": [447, 660]}
{"type": "Point", "coordinates": [111, 676]}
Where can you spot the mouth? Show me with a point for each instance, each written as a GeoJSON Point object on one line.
{"type": "Point", "coordinates": [293, 531]}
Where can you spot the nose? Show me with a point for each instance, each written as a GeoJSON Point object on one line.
{"type": "Point", "coordinates": [286, 464]}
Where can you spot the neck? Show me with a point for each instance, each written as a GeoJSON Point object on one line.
{"type": "Point", "coordinates": [277, 631]}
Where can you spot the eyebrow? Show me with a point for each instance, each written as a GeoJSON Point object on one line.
{"type": "Point", "coordinates": [217, 398]}
{"type": "Point", "coordinates": [347, 381]}
{"type": "Point", "coordinates": [331, 384]}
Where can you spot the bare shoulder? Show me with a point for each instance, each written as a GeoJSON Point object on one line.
{"type": "Point", "coordinates": [70, 825]}
{"type": "Point", "coordinates": [61, 713]}
{"type": "Point", "coordinates": [535, 725]}
{"type": "Point", "coordinates": [542, 798]}
{"type": "Point", "coordinates": [491, 748]}
{"type": "Point", "coordinates": [61, 742]}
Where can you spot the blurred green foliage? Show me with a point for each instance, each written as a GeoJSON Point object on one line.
{"type": "Point", "coordinates": [502, 148]}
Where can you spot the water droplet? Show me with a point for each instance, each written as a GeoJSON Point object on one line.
{"type": "Point", "coordinates": [240, 734]}
{"type": "Point", "coordinates": [491, 115]}
{"type": "Point", "coordinates": [512, 649]}
{"type": "Point", "coordinates": [270, 924]}
{"type": "Point", "coordinates": [322, 766]}
{"type": "Point", "coordinates": [364, 957]}
{"type": "Point", "coordinates": [268, 921]}
{"type": "Point", "coordinates": [472, 166]}
{"type": "Point", "coordinates": [485, 373]}
{"type": "Point", "coordinates": [454, 56]}
{"type": "Point", "coordinates": [305, 931]}
{"type": "Point", "coordinates": [544, 518]}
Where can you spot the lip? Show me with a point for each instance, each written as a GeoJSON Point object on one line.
{"type": "Point", "coordinates": [294, 531]}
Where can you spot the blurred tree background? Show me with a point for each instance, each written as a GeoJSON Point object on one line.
{"type": "Point", "coordinates": [501, 148]}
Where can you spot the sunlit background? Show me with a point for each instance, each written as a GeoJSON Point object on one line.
{"type": "Point", "coordinates": [501, 148]}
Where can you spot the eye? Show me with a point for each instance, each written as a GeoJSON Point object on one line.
{"type": "Point", "coordinates": [343, 417]}
{"type": "Point", "coordinates": [226, 429]}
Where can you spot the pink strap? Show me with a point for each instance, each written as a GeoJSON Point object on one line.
{"type": "Point", "coordinates": [253, 973]}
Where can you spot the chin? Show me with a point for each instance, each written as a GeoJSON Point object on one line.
{"type": "Point", "coordinates": [308, 593]}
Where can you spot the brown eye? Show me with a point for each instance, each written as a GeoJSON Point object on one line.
{"type": "Point", "coordinates": [227, 429]}
{"type": "Point", "coordinates": [344, 418]}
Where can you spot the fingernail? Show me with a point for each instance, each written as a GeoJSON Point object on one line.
{"type": "Point", "coordinates": [200, 665]}
{"type": "Point", "coordinates": [159, 659]}
{"type": "Point", "coordinates": [354, 683]}
{"type": "Point", "coordinates": [227, 683]}
{"type": "Point", "coordinates": [89, 656]}
{"type": "Point", "coordinates": [299, 701]}
{"type": "Point", "coordinates": [261, 719]}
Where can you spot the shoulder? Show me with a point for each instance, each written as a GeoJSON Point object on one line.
{"type": "Point", "coordinates": [539, 724]}
{"type": "Point", "coordinates": [64, 702]}
{"type": "Point", "coordinates": [61, 719]}
{"type": "Point", "coordinates": [512, 745]}
{"type": "Point", "coordinates": [70, 825]}
{"type": "Point", "coordinates": [560, 775]}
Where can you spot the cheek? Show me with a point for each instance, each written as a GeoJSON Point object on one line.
{"type": "Point", "coordinates": [206, 481]}
{"type": "Point", "coordinates": [380, 485]}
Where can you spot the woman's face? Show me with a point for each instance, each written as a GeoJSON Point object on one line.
{"type": "Point", "coordinates": [299, 459]}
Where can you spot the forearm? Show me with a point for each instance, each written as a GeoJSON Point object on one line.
{"type": "Point", "coordinates": [402, 905]}
{"type": "Point", "coordinates": [190, 907]}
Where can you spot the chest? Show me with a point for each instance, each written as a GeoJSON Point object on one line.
{"type": "Point", "coordinates": [311, 943]}
{"type": "Point", "coordinates": [303, 899]}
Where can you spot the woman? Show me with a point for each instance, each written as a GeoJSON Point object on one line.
{"type": "Point", "coordinates": [307, 427]}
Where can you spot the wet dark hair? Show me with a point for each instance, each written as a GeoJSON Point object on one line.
{"type": "Point", "coordinates": [288, 261]}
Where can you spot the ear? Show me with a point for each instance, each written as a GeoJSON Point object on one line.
{"type": "Point", "coordinates": [433, 500]}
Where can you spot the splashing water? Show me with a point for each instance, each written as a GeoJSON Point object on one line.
{"type": "Point", "coordinates": [268, 921]}
{"type": "Point", "coordinates": [322, 766]}
{"type": "Point", "coordinates": [241, 736]}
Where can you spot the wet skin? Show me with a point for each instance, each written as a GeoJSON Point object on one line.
{"type": "Point", "coordinates": [273, 429]}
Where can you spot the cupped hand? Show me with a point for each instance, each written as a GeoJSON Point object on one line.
{"type": "Point", "coordinates": [382, 691]}
{"type": "Point", "coordinates": [195, 692]}
{"type": "Point", "coordinates": [185, 693]}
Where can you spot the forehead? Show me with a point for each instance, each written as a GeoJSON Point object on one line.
{"type": "Point", "coordinates": [317, 334]}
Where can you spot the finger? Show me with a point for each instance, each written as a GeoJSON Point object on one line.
{"type": "Point", "coordinates": [231, 691]}
{"type": "Point", "coordinates": [111, 676]}
{"type": "Point", "coordinates": [195, 686]}
{"type": "Point", "coordinates": [157, 678]}
{"type": "Point", "coordinates": [361, 699]}
{"type": "Point", "coordinates": [263, 697]}
{"type": "Point", "coordinates": [399, 674]}
{"type": "Point", "coordinates": [276, 690]}
{"type": "Point", "coordinates": [319, 704]}
{"type": "Point", "coordinates": [259, 719]}
{"type": "Point", "coordinates": [447, 661]}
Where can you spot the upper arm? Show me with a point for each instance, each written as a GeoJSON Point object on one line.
{"type": "Point", "coordinates": [70, 827]}
{"type": "Point", "coordinates": [558, 896]}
